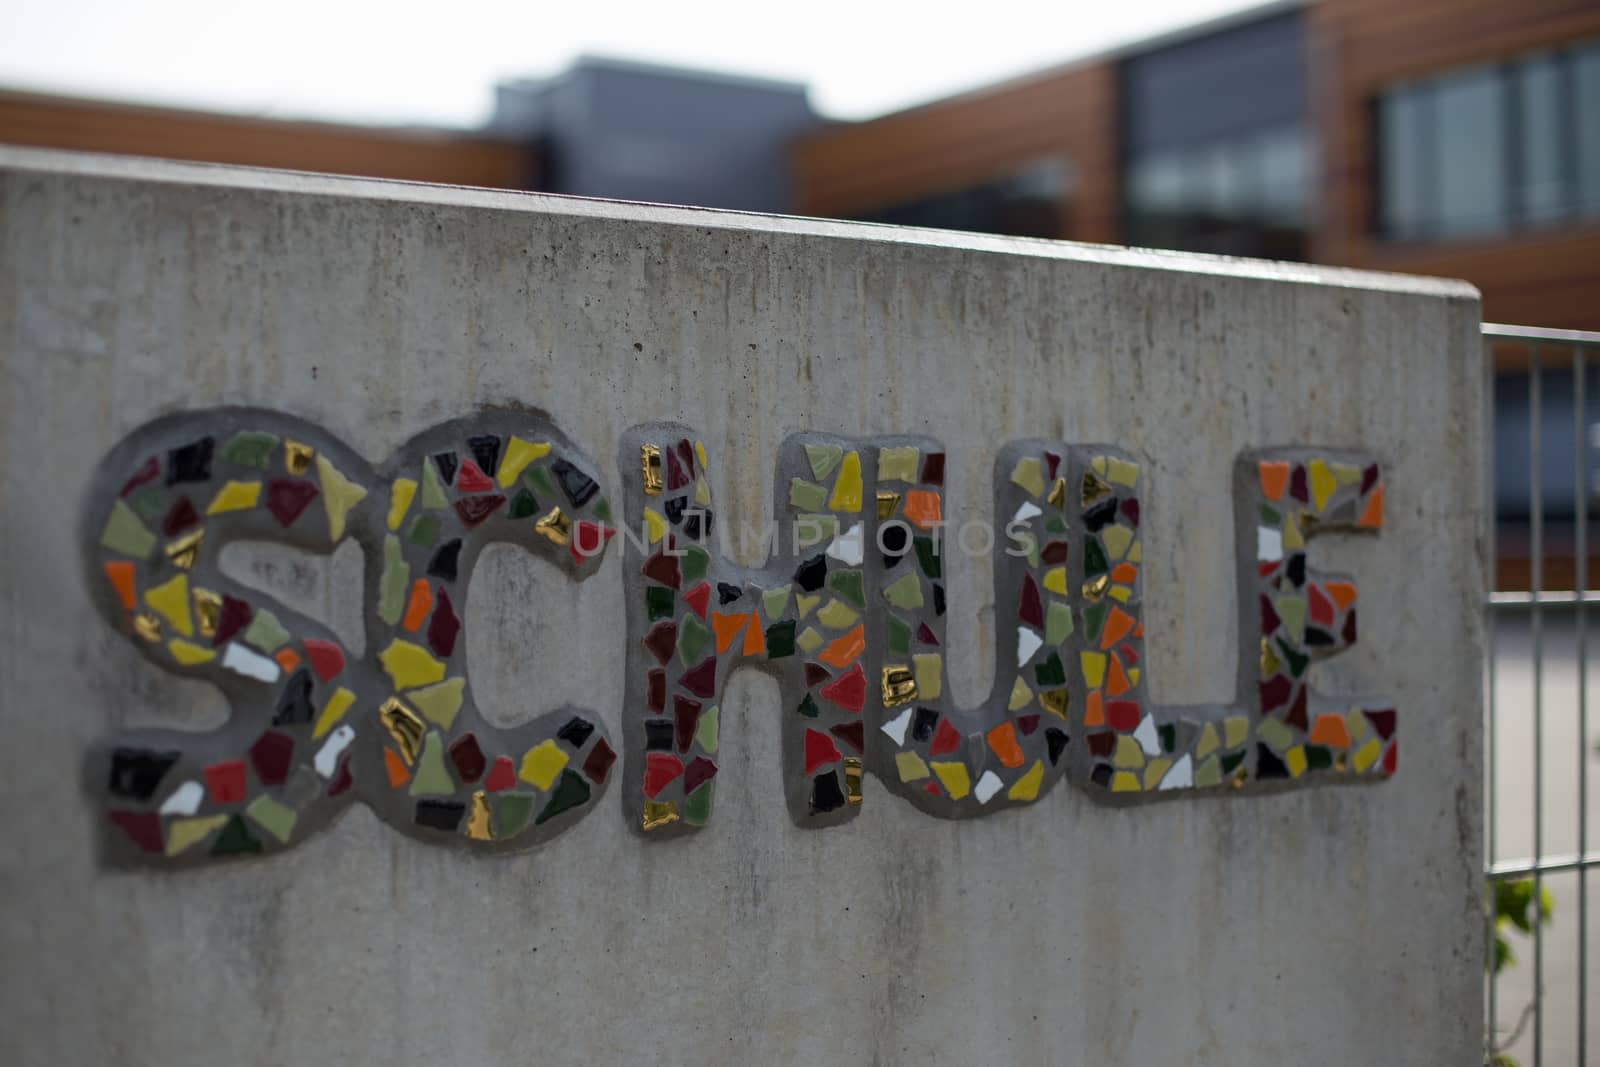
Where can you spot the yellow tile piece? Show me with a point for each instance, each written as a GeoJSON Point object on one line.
{"type": "Point", "coordinates": [1055, 580]}
{"type": "Point", "coordinates": [1125, 782]}
{"type": "Point", "coordinates": [1020, 695]}
{"type": "Point", "coordinates": [1027, 787]}
{"type": "Point", "coordinates": [1156, 770]}
{"type": "Point", "coordinates": [1055, 701]}
{"type": "Point", "coordinates": [189, 654]}
{"type": "Point", "coordinates": [1208, 742]}
{"type": "Point", "coordinates": [440, 703]}
{"type": "Point", "coordinates": [1346, 474]}
{"type": "Point", "coordinates": [700, 454]}
{"type": "Point", "coordinates": [929, 683]}
{"type": "Point", "coordinates": [1119, 593]}
{"type": "Point", "coordinates": [1098, 463]}
{"type": "Point", "coordinates": [803, 603]}
{"type": "Point", "coordinates": [847, 486]}
{"type": "Point", "coordinates": [183, 834]}
{"type": "Point", "coordinates": [1133, 677]}
{"type": "Point", "coordinates": [1122, 472]}
{"type": "Point", "coordinates": [1128, 753]}
{"type": "Point", "coordinates": [541, 764]}
{"type": "Point", "coordinates": [1293, 539]}
{"type": "Point", "coordinates": [1323, 483]}
{"type": "Point", "coordinates": [1295, 758]}
{"type": "Point", "coordinates": [1268, 663]}
{"type": "Point", "coordinates": [809, 641]}
{"type": "Point", "coordinates": [953, 776]}
{"type": "Point", "coordinates": [401, 494]}
{"type": "Point", "coordinates": [234, 496]}
{"type": "Point", "coordinates": [1136, 553]}
{"type": "Point", "coordinates": [1094, 668]}
{"type": "Point", "coordinates": [1356, 723]}
{"type": "Point", "coordinates": [837, 615]}
{"type": "Point", "coordinates": [1365, 756]}
{"type": "Point", "coordinates": [339, 495]}
{"type": "Point", "coordinates": [1235, 730]}
{"type": "Point", "coordinates": [333, 711]}
{"type": "Point", "coordinates": [1029, 474]}
{"type": "Point", "coordinates": [702, 493]}
{"type": "Point", "coordinates": [910, 766]}
{"type": "Point", "coordinates": [1118, 539]}
{"type": "Point", "coordinates": [1058, 493]}
{"type": "Point", "coordinates": [410, 665]}
{"type": "Point", "coordinates": [898, 464]}
{"type": "Point", "coordinates": [655, 524]}
{"type": "Point", "coordinates": [519, 454]}
{"type": "Point", "coordinates": [170, 600]}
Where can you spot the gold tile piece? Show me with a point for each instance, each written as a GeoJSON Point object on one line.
{"type": "Point", "coordinates": [899, 686]}
{"type": "Point", "coordinates": [650, 466]}
{"type": "Point", "coordinates": [1058, 493]}
{"type": "Point", "coordinates": [207, 610]}
{"type": "Point", "coordinates": [297, 456]}
{"type": "Point", "coordinates": [852, 779]}
{"type": "Point", "coordinates": [887, 503]}
{"type": "Point", "coordinates": [555, 526]}
{"type": "Point", "coordinates": [147, 626]}
{"type": "Point", "coordinates": [1239, 777]}
{"type": "Point", "coordinates": [1094, 489]}
{"type": "Point", "coordinates": [658, 813]}
{"type": "Point", "coordinates": [480, 824]}
{"type": "Point", "coordinates": [1094, 590]}
{"type": "Point", "coordinates": [1269, 662]}
{"type": "Point", "coordinates": [183, 551]}
{"type": "Point", "coordinates": [1056, 701]}
{"type": "Point", "coordinates": [404, 726]}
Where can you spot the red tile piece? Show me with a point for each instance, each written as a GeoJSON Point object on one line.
{"type": "Point", "coordinates": [471, 479]}
{"type": "Point", "coordinates": [1030, 610]}
{"type": "Point", "coordinates": [685, 717]}
{"type": "Point", "coordinates": [225, 781]}
{"type": "Point", "coordinates": [946, 739]}
{"type": "Point", "coordinates": [502, 776]}
{"type": "Point", "coordinates": [662, 568]}
{"type": "Point", "coordinates": [849, 690]}
{"type": "Point", "coordinates": [816, 674]}
{"type": "Point", "coordinates": [702, 679]}
{"type": "Point", "coordinates": [698, 597]}
{"type": "Point", "coordinates": [271, 756]}
{"type": "Point", "coordinates": [142, 827]}
{"type": "Point", "coordinates": [820, 751]}
{"type": "Point", "coordinates": [588, 541]}
{"type": "Point", "coordinates": [662, 641]}
{"type": "Point", "coordinates": [661, 769]}
{"type": "Point", "coordinates": [179, 518]}
{"type": "Point", "coordinates": [700, 770]}
{"type": "Point", "coordinates": [1321, 605]}
{"type": "Point", "coordinates": [444, 627]}
{"type": "Point", "coordinates": [468, 757]}
{"type": "Point", "coordinates": [926, 635]}
{"type": "Point", "coordinates": [288, 497]}
{"type": "Point", "coordinates": [327, 658]}
{"type": "Point", "coordinates": [151, 467]}
{"type": "Point", "coordinates": [472, 510]}
{"type": "Point", "coordinates": [851, 733]}
{"type": "Point", "coordinates": [1274, 693]}
{"type": "Point", "coordinates": [598, 765]}
{"type": "Point", "coordinates": [234, 616]}
{"type": "Point", "coordinates": [1122, 715]}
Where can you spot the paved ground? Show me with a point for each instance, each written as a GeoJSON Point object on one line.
{"type": "Point", "coordinates": [1513, 805]}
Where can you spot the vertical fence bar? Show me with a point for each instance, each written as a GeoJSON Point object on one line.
{"type": "Point", "coordinates": [1580, 418]}
{"type": "Point", "coordinates": [1536, 588]}
{"type": "Point", "coordinates": [1489, 698]}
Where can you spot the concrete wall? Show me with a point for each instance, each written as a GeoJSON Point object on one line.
{"type": "Point", "coordinates": [1320, 926]}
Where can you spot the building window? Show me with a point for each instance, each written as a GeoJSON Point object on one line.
{"type": "Point", "coordinates": [1491, 149]}
{"type": "Point", "coordinates": [1029, 202]}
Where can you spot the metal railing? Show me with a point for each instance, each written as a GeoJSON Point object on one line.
{"type": "Point", "coordinates": [1573, 350]}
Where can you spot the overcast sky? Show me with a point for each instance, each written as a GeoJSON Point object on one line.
{"type": "Point", "coordinates": [398, 61]}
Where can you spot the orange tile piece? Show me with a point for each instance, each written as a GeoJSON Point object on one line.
{"type": "Point", "coordinates": [1116, 678]}
{"type": "Point", "coordinates": [1274, 479]}
{"type": "Point", "coordinates": [1094, 712]}
{"type": "Point", "coordinates": [1124, 573]}
{"type": "Point", "coordinates": [842, 651]}
{"type": "Point", "coordinates": [288, 659]}
{"type": "Point", "coordinates": [727, 628]}
{"type": "Point", "coordinates": [420, 604]}
{"type": "Point", "coordinates": [399, 773]}
{"type": "Point", "coordinates": [1138, 631]}
{"type": "Point", "coordinates": [1003, 739]}
{"type": "Point", "coordinates": [1343, 593]}
{"type": "Point", "coordinates": [121, 576]}
{"type": "Point", "coordinates": [755, 639]}
{"type": "Point", "coordinates": [1372, 516]}
{"type": "Point", "coordinates": [922, 508]}
{"type": "Point", "coordinates": [1330, 730]}
{"type": "Point", "coordinates": [1118, 624]}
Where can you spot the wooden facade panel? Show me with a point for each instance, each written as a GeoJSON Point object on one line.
{"type": "Point", "coordinates": [88, 126]}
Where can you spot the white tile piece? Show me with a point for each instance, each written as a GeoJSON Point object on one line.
{"type": "Point", "coordinates": [327, 760]}
{"type": "Point", "coordinates": [242, 660]}
{"type": "Point", "coordinates": [185, 800]}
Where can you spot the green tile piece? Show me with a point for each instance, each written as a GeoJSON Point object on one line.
{"type": "Point", "coordinates": [1298, 661]}
{"type": "Point", "coordinates": [266, 632]}
{"type": "Point", "coordinates": [774, 601]}
{"type": "Point", "coordinates": [1208, 774]}
{"type": "Point", "coordinates": [780, 639]}
{"type": "Point", "coordinates": [124, 533]}
{"type": "Point", "coordinates": [538, 479]}
{"type": "Point", "coordinates": [697, 805]}
{"type": "Point", "coordinates": [250, 448]}
{"type": "Point", "coordinates": [899, 636]}
{"type": "Point", "coordinates": [149, 503]}
{"type": "Point", "coordinates": [393, 583]}
{"type": "Point", "coordinates": [1094, 558]}
{"type": "Point", "coordinates": [692, 638]}
{"type": "Point", "coordinates": [807, 496]}
{"type": "Point", "coordinates": [432, 778]}
{"type": "Point", "coordinates": [661, 602]}
{"type": "Point", "coordinates": [1169, 736]}
{"type": "Point", "coordinates": [511, 813]}
{"type": "Point", "coordinates": [1270, 516]}
{"type": "Point", "coordinates": [432, 491]}
{"type": "Point", "coordinates": [1318, 758]}
{"type": "Point", "coordinates": [1057, 622]}
{"type": "Point", "coordinates": [705, 731]}
{"type": "Point", "coordinates": [425, 530]}
{"type": "Point", "coordinates": [236, 838]}
{"type": "Point", "coordinates": [1292, 610]}
{"type": "Point", "coordinates": [1276, 734]}
{"type": "Point", "coordinates": [1230, 760]}
{"type": "Point", "coordinates": [815, 529]}
{"type": "Point", "coordinates": [273, 816]}
{"type": "Point", "coordinates": [928, 557]}
{"type": "Point", "coordinates": [602, 510]}
{"type": "Point", "coordinates": [1056, 524]}
{"type": "Point", "coordinates": [848, 585]}
{"type": "Point", "coordinates": [823, 458]}
{"type": "Point", "coordinates": [524, 505]}
{"type": "Point", "coordinates": [808, 707]}
{"type": "Point", "coordinates": [571, 792]}
{"type": "Point", "coordinates": [904, 592]}
{"type": "Point", "coordinates": [694, 564]}
{"type": "Point", "coordinates": [1050, 672]}
{"type": "Point", "coordinates": [1094, 617]}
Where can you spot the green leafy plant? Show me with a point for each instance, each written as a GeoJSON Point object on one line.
{"type": "Point", "coordinates": [1515, 908]}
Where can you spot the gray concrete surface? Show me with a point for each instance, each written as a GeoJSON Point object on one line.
{"type": "Point", "coordinates": [1324, 926]}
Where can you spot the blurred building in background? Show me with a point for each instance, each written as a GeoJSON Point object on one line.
{"type": "Point", "coordinates": [1450, 137]}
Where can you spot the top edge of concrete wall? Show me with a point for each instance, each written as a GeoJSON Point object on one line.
{"type": "Point", "coordinates": [132, 168]}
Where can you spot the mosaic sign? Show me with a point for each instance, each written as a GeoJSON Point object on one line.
{"type": "Point", "coordinates": [848, 615]}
